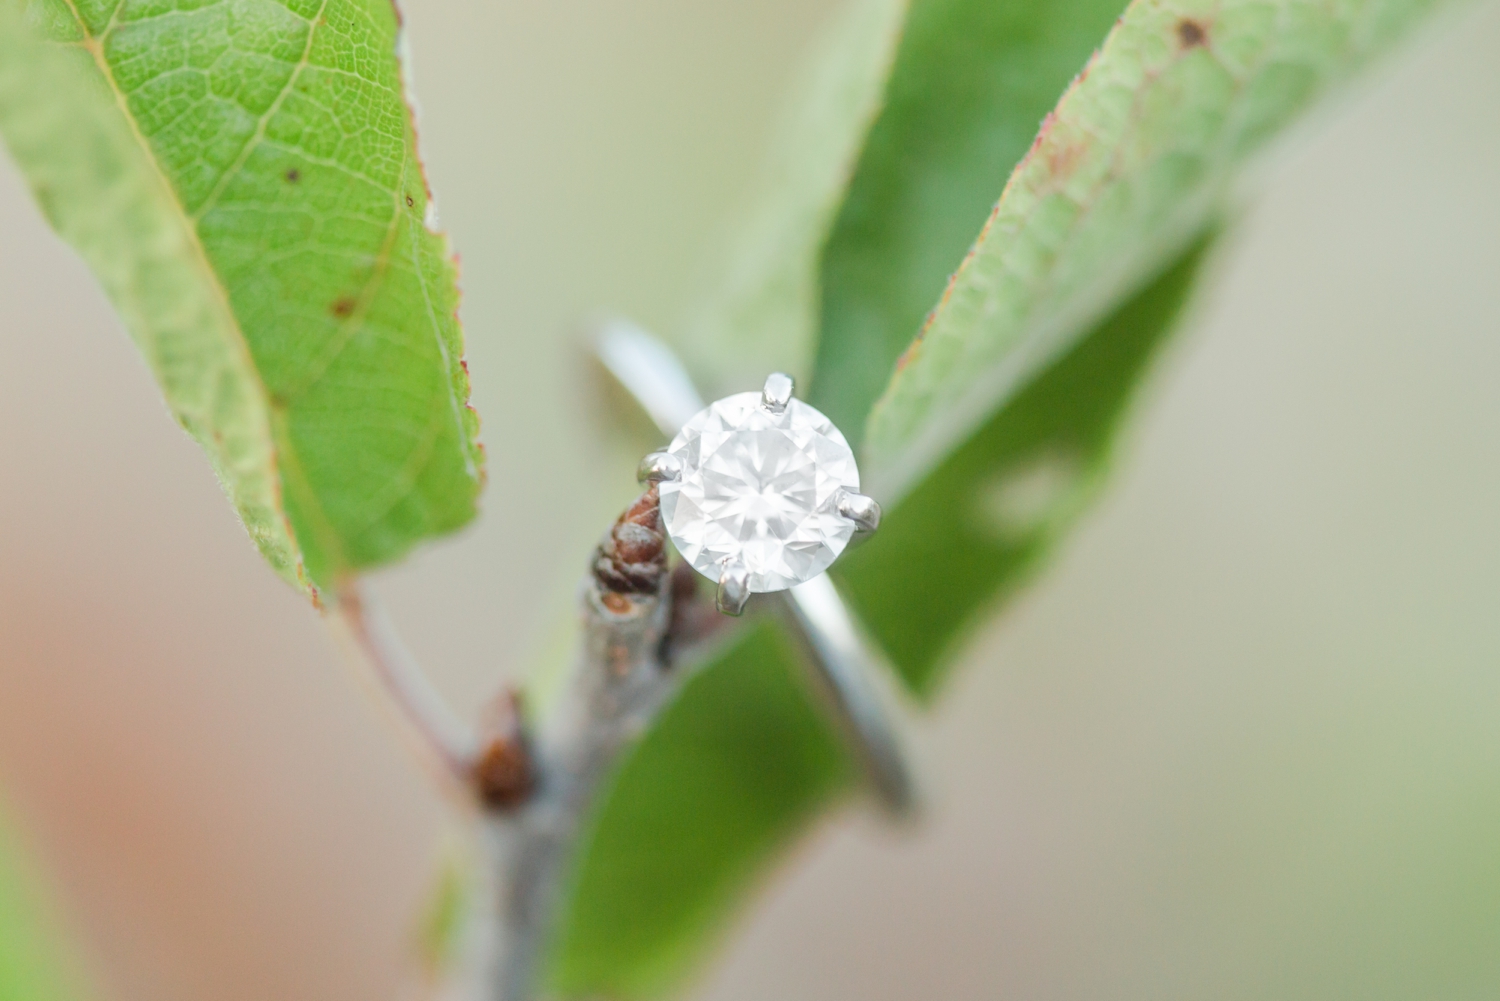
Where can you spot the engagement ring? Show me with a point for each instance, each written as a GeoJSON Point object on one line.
{"type": "Point", "coordinates": [760, 493]}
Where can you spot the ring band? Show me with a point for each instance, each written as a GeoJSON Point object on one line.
{"type": "Point", "coordinates": [853, 682]}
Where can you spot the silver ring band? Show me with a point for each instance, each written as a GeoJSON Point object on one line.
{"type": "Point", "coordinates": [852, 681]}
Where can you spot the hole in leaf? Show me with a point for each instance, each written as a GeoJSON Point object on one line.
{"type": "Point", "coordinates": [1028, 496]}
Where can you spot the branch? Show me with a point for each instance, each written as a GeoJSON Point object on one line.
{"type": "Point", "coordinates": [621, 681]}
{"type": "Point", "coordinates": [537, 793]}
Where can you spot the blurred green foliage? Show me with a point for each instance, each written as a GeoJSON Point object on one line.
{"type": "Point", "coordinates": [743, 759]}
{"type": "Point", "coordinates": [30, 964]}
{"type": "Point", "coordinates": [738, 763]}
{"type": "Point", "coordinates": [1060, 333]}
{"type": "Point", "coordinates": [972, 531]}
{"type": "Point", "coordinates": [971, 81]}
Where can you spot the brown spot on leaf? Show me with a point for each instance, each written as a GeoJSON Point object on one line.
{"type": "Point", "coordinates": [293, 176]}
{"type": "Point", "coordinates": [1062, 157]}
{"type": "Point", "coordinates": [343, 307]}
{"type": "Point", "coordinates": [1191, 34]}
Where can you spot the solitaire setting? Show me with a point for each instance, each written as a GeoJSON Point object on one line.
{"type": "Point", "coordinates": [759, 492]}
{"type": "Point", "coordinates": [847, 675]}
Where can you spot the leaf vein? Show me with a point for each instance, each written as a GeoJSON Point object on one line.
{"type": "Point", "coordinates": [276, 451]}
{"type": "Point", "coordinates": [264, 121]}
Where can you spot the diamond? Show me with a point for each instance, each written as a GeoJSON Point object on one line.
{"type": "Point", "coordinates": [762, 488]}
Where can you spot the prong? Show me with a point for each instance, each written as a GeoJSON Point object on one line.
{"type": "Point", "coordinates": [734, 589]}
{"type": "Point", "coordinates": [777, 392]}
{"type": "Point", "coordinates": [659, 467]}
{"type": "Point", "coordinates": [862, 510]}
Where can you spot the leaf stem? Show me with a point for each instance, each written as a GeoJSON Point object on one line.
{"type": "Point", "coordinates": [441, 738]}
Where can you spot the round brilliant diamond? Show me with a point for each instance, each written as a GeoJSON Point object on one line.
{"type": "Point", "coordinates": [760, 488]}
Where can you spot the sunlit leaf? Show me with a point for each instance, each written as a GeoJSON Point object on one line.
{"type": "Point", "coordinates": [242, 177]}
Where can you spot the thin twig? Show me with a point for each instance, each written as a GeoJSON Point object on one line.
{"type": "Point", "coordinates": [537, 792]}
{"type": "Point", "coordinates": [449, 746]}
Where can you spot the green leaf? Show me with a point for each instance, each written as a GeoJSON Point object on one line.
{"type": "Point", "coordinates": [734, 767]}
{"type": "Point", "coordinates": [971, 82]}
{"type": "Point", "coordinates": [242, 177]}
{"type": "Point", "coordinates": [984, 519]}
{"type": "Point", "coordinates": [30, 964]}
{"type": "Point", "coordinates": [1137, 159]}
{"type": "Point", "coordinates": [764, 315]}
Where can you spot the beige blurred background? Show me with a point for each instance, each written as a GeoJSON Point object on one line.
{"type": "Point", "coordinates": [1243, 740]}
